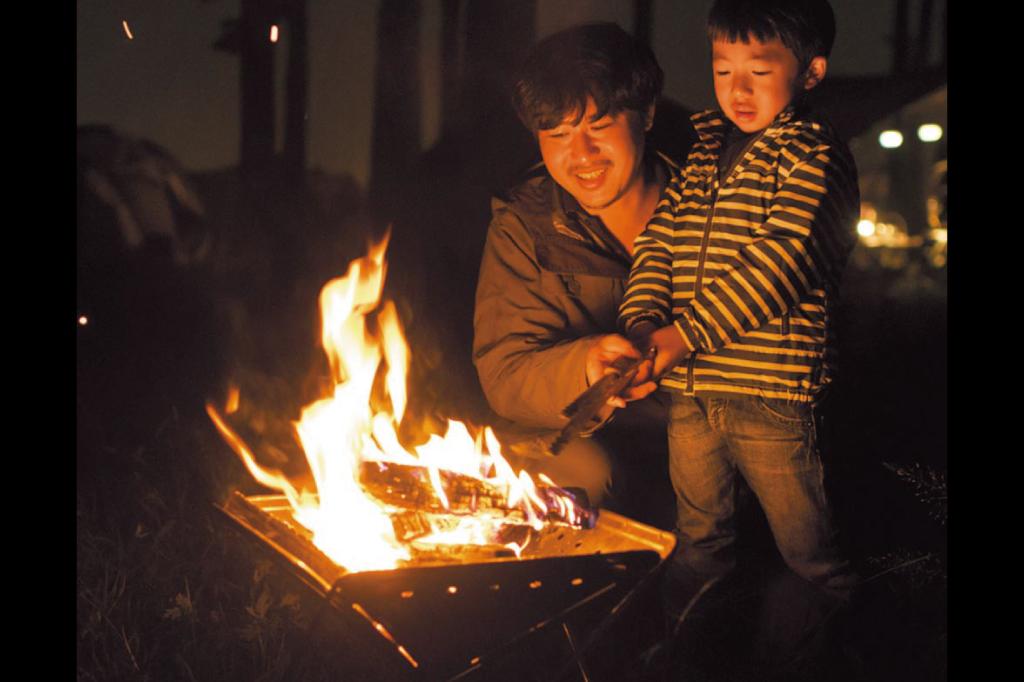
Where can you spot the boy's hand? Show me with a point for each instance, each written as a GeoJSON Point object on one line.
{"type": "Point", "coordinates": [605, 350]}
{"type": "Point", "coordinates": [671, 349]}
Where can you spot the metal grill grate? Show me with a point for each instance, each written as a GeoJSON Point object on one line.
{"type": "Point", "coordinates": [466, 615]}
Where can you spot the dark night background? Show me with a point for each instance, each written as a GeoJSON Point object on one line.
{"type": "Point", "coordinates": [222, 179]}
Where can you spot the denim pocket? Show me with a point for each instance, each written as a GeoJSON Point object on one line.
{"type": "Point", "coordinates": [790, 414]}
{"type": "Point", "coordinates": [684, 414]}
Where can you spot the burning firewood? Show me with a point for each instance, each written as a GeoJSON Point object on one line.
{"type": "Point", "coordinates": [416, 528]}
{"type": "Point", "coordinates": [409, 487]}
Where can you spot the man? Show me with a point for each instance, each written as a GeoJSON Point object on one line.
{"type": "Point", "coordinates": [559, 250]}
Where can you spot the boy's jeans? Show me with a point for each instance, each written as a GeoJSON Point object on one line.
{"type": "Point", "coordinates": [772, 444]}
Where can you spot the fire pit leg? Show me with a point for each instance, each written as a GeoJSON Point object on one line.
{"type": "Point", "coordinates": [575, 652]}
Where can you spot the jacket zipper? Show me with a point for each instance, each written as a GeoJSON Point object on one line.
{"type": "Point", "coordinates": [701, 257]}
{"type": "Point", "coordinates": [705, 242]}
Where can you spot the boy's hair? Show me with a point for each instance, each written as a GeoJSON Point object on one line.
{"type": "Point", "coordinates": [806, 27]}
{"type": "Point", "coordinates": [598, 60]}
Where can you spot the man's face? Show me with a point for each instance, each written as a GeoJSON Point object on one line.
{"type": "Point", "coordinates": [596, 161]}
{"type": "Point", "coordinates": [754, 81]}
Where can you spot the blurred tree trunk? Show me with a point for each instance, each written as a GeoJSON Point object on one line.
{"type": "Point", "coordinates": [900, 36]}
{"type": "Point", "coordinates": [898, 186]}
{"type": "Point", "coordinates": [442, 213]}
{"type": "Point", "coordinates": [498, 35]}
{"type": "Point", "coordinates": [249, 39]}
{"type": "Point", "coordinates": [256, 71]}
{"type": "Point", "coordinates": [924, 35]}
{"type": "Point", "coordinates": [643, 20]}
{"type": "Point", "coordinates": [451, 71]}
{"type": "Point", "coordinates": [295, 93]}
{"type": "Point", "coordinates": [396, 114]}
{"type": "Point", "coordinates": [910, 54]}
{"type": "Point", "coordinates": [945, 25]}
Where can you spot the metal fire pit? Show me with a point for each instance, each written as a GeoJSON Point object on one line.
{"type": "Point", "coordinates": [470, 615]}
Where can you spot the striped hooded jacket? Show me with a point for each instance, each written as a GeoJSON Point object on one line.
{"type": "Point", "coordinates": [748, 268]}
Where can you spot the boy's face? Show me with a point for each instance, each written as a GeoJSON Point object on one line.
{"type": "Point", "coordinates": [596, 161]}
{"type": "Point", "coordinates": [754, 81]}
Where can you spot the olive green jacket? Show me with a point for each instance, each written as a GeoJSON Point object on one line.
{"type": "Point", "coordinates": [551, 280]}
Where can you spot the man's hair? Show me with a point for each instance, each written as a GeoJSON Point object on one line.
{"type": "Point", "coordinates": [806, 27]}
{"type": "Point", "coordinates": [600, 61]}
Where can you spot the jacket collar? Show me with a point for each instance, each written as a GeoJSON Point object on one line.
{"type": "Point", "coordinates": [711, 125]}
{"type": "Point", "coordinates": [564, 210]}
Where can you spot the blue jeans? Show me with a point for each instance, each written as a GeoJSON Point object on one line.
{"type": "Point", "coordinates": [772, 445]}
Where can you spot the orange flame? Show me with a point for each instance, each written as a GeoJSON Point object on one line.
{"type": "Point", "coordinates": [341, 431]}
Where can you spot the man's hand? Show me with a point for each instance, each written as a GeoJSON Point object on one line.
{"type": "Point", "coordinates": [603, 352]}
{"type": "Point", "coordinates": [668, 343]}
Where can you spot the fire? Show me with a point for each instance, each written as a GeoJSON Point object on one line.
{"type": "Point", "coordinates": [344, 432]}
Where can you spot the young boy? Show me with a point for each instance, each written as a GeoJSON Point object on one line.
{"type": "Point", "coordinates": [733, 283]}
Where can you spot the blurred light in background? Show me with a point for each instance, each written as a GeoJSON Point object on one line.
{"type": "Point", "coordinates": [83, 320]}
{"type": "Point", "coordinates": [890, 139]}
{"type": "Point", "coordinates": [886, 232]}
{"type": "Point", "coordinates": [127, 31]}
{"type": "Point", "coordinates": [929, 132]}
{"type": "Point", "coordinates": [938, 250]}
{"type": "Point", "coordinates": [273, 33]}
{"type": "Point", "coordinates": [884, 229]}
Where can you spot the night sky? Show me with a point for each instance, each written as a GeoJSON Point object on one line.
{"type": "Point", "coordinates": [167, 84]}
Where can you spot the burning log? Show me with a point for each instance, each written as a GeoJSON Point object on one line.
{"type": "Point", "coordinates": [411, 525]}
{"type": "Point", "coordinates": [409, 487]}
{"type": "Point", "coordinates": [416, 527]}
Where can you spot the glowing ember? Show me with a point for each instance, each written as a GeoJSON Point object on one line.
{"type": "Point", "coordinates": [345, 439]}
{"type": "Point", "coordinates": [127, 31]}
{"type": "Point", "coordinates": [234, 395]}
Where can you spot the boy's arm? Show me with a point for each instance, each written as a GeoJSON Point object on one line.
{"type": "Point", "coordinates": [648, 297]}
{"type": "Point", "coordinates": [802, 245]}
{"type": "Point", "coordinates": [645, 315]}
